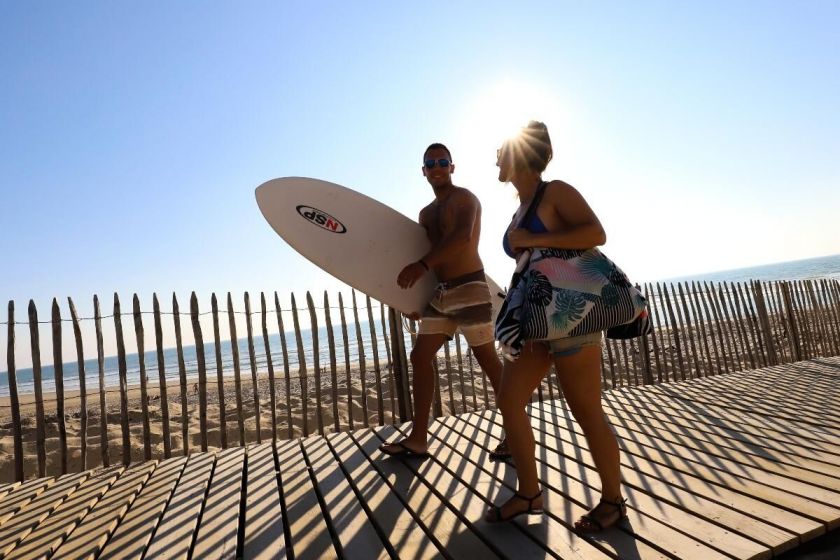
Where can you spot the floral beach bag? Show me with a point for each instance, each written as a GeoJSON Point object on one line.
{"type": "Point", "coordinates": [561, 293]}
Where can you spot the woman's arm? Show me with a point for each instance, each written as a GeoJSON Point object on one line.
{"type": "Point", "coordinates": [579, 229]}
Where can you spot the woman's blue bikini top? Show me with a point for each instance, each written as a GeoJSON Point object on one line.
{"type": "Point", "coordinates": [534, 225]}
{"type": "Point", "coordinates": [531, 222]}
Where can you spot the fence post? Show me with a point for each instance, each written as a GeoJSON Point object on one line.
{"type": "Point", "coordinates": [764, 320]}
{"type": "Point", "coordinates": [794, 331]}
{"type": "Point", "coordinates": [400, 363]}
{"type": "Point", "coordinates": [13, 394]}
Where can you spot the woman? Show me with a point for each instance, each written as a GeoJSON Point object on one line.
{"type": "Point", "coordinates": [561, 220]}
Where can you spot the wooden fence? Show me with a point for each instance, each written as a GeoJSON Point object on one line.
{"type": "Point", "coordinates": [700, 329]}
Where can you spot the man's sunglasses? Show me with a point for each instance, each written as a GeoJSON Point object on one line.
{"type": "Point", "coordinates": [430, 163]}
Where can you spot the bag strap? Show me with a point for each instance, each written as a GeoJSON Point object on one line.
{"type": "Point", "coordinates": [525, 257]}
{"type": "Point", "coordinates": [535, 202]}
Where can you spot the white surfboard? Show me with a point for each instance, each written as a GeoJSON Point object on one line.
{"type": "Point", "coordinates": [357, 239]}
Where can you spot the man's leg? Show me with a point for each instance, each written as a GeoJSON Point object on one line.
{"type": "Point", "coordinates": [489, 361]}
{"type": "Point", "coordinates": [424, 351]}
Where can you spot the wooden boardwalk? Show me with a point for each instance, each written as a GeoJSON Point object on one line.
{"type": "Point", "coordinates": [743, 465]}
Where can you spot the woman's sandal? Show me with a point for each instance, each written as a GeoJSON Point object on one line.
{"type": "Point", "coordinates": [495, 514]}
{"type": "Point", "coordinates": [590, 523]}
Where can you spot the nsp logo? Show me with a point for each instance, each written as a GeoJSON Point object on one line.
{"type": "Point", "coordinates": [321, 219]}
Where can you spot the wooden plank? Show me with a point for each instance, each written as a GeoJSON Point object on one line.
{"type": "Point", "coordinates": [80, 365]}
{"type": "Point", "coordinates": [714, 395]}
{"type": "Point", "coordinates": [349, 378]}
{"type": "Point", "coordinates": [220, 375]}
{"type": "Point", "coordinates": [457, 477]}
{"type": "Point", "coordinates": [164, 392]}
{"type": "Point", "coordinates": [683, 533]}
{"type": "Point", "coordinates": [377, 372]}
{"type": "Point", "coordinates": [218, 533]}
{"type": "Point", "coordinates": [302, 375]}
{"type": "Point", "coordinates": [144, 399]}
{"type": "Point", "coordinates": [137, 526]}
{"type": "Point", "coordinates": [51, 532]}
{"type": "Point", "coordinates": [309, 532]}
{"type": "Point", "coordinates": [22, 495]}
{"type": "Point", "coordinates": [264, 518]}
{"type": "Point", "coordinates": [269, 362]}
{"type": "Point", "coordinates": [252, 360]}
{"type": "Point", "coordinates": [812, 397]}
{"type": "Point", "coordinates": [182, 377]}
{"type": "Point", "coordinates": [316, 362]}
{"type": "Point", "coordinates": [720, 526]}
{"type": "Point", "coordinates": [363, 397]}
{"type": "Point", "coordinates": [737, 420]}
{"type": "Point", "coordinates": [174, 534]}
{"type": "Point", "coordinates": [40, 422]}
{"type": "Point", "coordinates": [333, 364]}
{"type": "Point", "coordinates": [467, 441]}
{"type": "Point", "coordinates": [422, 508]}
{"type": "Point", "coordinates": [58, 369]}
{"type": "Point", "coordinates": [807, 500]}
{"type": "Point", "coordinates": [13, 394]}
{"type": "Point", "coordinates": [286, 375]}
{"type": "Point", "coordinates": [384, 509]}
{"type": "Point", "coordinates": [237, 378]}
{"type": "Point", "coordinates": [654, 415]}
{"type": "Point", "coordinates": [100, 360]}
{"type": "Point", "coordinates": [637, 471]}
{"type": "Point", "coordinates": [786, 396]}
{"type": "Point", "coordinates": [198, 337]}
{"type": "Point", "coordinates": [14, 530]}
{"type": "Point", "coordinates": [816, 473]}
{"type": "Point", "coordinates": [89, 536]}
{"type": "Point", "coordinates": [357, 536]}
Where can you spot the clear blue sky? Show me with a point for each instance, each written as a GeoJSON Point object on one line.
{"type": "Point", "coordinates": [705, 135]}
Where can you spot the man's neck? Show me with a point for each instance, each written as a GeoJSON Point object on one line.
{"type": "Point", "coordinates": [442, 191]}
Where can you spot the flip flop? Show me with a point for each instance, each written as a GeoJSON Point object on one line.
{"type": "Point", "coordinates": [403, 451]}
{"type": "Point", "coordinates": [501, 453]}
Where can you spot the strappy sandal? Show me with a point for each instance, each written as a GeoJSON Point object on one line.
{"type": "Point", "coordinates": [402, 450]}
{"type": "Point", "coordinates": [589, 523]}
{"type": "Point", "coordinates": [495, 514]}
{"type": "Point", "coordinates": [501, 452]}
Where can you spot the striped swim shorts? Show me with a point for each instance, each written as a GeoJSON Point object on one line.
{"type": "Point", "coordinates": [462, 303]}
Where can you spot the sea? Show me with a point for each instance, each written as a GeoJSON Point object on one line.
{"type": "Point", "coordinates": [360, 343]}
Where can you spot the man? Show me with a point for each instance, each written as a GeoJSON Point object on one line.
{"type": "Point", "coordinates": [462, 300]}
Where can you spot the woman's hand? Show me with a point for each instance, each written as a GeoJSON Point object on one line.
{"type": "Point", "coordinates": [520, 239]}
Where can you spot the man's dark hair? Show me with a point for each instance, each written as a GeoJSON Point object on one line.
{"type": "Point", "coordinates": [438, 146]}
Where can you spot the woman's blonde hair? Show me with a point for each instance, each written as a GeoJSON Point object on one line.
{"type": "Point", "coordinates": [531, 148]}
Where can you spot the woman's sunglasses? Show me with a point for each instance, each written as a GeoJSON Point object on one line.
{"type": "Point", "coordinates": [430, 163]}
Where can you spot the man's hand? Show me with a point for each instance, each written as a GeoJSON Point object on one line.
{"type": "Point", "coordinates": [411, 274]}
{"type": "Point", "coordinates": [520, 239]}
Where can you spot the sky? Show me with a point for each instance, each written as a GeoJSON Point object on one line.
{"type": "Point", "coordinates": [705, 135]}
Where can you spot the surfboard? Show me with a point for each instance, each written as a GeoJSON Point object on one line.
{"type": "Point", "coordinates": [357, 239]}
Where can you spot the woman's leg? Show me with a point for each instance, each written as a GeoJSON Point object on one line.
{"type": "Point", "coordinates": [519, 379]}
{"type": "Point", "coordinates": [580, 379]}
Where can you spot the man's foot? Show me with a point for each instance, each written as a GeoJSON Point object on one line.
{"type": "Point", "coordinates": [603, 516]}
{"type": "Point", "coordinates": [402, 449]}
{"type": "Point", "coordinates": [501, 452]}
{"type": "Point", "coordinates": [517, 505]}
